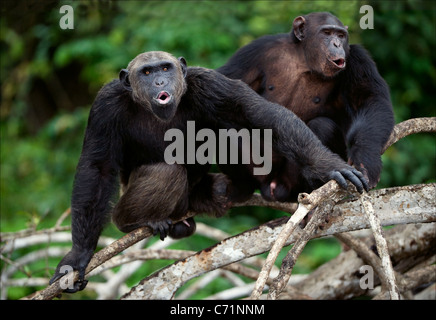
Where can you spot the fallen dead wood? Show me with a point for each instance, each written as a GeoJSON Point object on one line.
{"type": "Point", "coordinates": [409, 246]}
{"type": "Point", "coordinates": [416, 203]}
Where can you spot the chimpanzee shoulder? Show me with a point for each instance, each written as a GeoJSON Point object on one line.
{"type": "Point", "coordinates": [248, 56]}
{"type": "Point", "coordinates": [361, 78]}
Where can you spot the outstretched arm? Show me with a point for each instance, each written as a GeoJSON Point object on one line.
{"type": "Point", "coordinates": [233, 101]}
{"type": "Point", "coordinates": [94, 185]}
{"type": "Point", "coordinates": [297, 142]}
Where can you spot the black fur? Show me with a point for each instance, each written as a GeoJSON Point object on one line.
{"type": "Point", "coordinates": [125, 136]}
{"type": "Point", "coordinates": [347, 106]}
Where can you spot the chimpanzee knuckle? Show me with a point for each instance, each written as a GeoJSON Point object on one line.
{"type": "Point", "coordinates": [339, 178]}
{"type": "Point", "coordinates": [355, 179]}
{"type": "Point", "coordinates": [358, 173]}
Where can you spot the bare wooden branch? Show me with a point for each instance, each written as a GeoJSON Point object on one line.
{"type": "Point", "coordinates": [101, 256]}
{"type": "Point", "coordinates": [409, 246]}
{"type": "Point", "coordinates": [7, 236]}
{"type": "Point", "coordinates": [289, 227]}
{"type": "Point", "coordinates": [257, 201]}
{"type": "Point", "coordinates": [382, 247]}
{"type": "Point", "coordinates": [289, 261]}
{"type": "Point", "coordinates": [164, 283]}
{"type": "Point", "coordinates": [412, 280]}
{"type": "Point", "coordinates": [398, 205]}
{"type": "Point", "coordinates": [367, 255]}
{"type": "Point", "coordinates": [409, 127]}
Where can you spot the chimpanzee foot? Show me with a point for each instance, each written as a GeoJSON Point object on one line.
{"type": "Point", "coordinates": [161, 226]}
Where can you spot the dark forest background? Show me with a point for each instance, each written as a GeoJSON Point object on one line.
{"type": "Point", "coordinates": [50, 76]}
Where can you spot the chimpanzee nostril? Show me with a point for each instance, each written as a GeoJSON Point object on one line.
{"type": "Point", "coordinates": [159, 82]}
{"type": "Point", "coordinates": [337, 43]}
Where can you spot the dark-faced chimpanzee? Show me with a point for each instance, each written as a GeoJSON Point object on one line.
{"type": "Point", "coordinates": [125, 136]}
{"type": "Point", "coordinates": [332, 86]}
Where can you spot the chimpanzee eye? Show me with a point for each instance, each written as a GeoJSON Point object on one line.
{"type": "Point", "coordinates": [147, 72]}
{"type": "Point", "coordinates": [327, 32]}
{"type": "Point", "coordinates": [165, 69]}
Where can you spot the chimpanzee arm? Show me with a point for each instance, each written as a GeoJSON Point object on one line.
{"type": "Point", "coordinates": [297, 142]}
{"type": "Point", "coordinates": [94, 185]}
{"type": "Point", "coordinates": [233, 101]}
{"type": "Point", "coordinates": [372, 118]}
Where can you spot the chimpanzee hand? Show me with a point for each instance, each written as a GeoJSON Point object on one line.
{"type": "Point", "coordinates": [354, 176]}
{"type": "Point", "coordinates": [371, 169]}
{"type": "Point", "coordinates": [77, 260]}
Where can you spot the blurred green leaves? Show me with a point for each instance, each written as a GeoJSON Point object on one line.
{"type": "Point", "coordinates": [36, 172]}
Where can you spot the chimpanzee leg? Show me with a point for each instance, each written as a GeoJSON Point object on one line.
{"type": "Point", "coordinates": [210, 195]}
{"type": "Point", "coordinates": [154, 194]}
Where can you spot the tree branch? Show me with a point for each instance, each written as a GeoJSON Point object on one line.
{"type": "Point", "coordinates": [346, 216]}
{"type": "Point", "coordinates": [409, 246]}
{"type": "Point", "coordinates": [330, 190]}
{"type": "Point", "coordinates": [289, 261]}
{"type": "Point", "coordinates": [382, 247]}
{"type": "Point", "coordinates": [411, 126]}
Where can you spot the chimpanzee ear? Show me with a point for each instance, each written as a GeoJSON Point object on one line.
{"type": "Point", "coordinates": [124, 79]}
{"type": "Point", "coordinates": [298, 25]}
{"type": "Point", "coordinates": [184, 66]}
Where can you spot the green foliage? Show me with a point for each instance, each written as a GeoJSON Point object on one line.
{"type": "Point", "coordinates": [36, 172]}
{"type": "Point", "coordinates": [406, 59]}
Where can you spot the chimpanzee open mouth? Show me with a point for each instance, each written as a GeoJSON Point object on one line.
{"type": "Point", "coordinates": [340, 63]}
{"type": "Point", "coordinates": [163, 97]}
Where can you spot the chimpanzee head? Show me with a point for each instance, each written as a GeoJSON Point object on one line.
{"type": "Point", "coordinates": [156, 80]}
{"type": "Point", "coordinates": [324, 40]}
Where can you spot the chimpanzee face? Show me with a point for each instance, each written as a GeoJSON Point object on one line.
{"type": "Point", "coordinates": [157, 82]}
{"type": "Point", "coordinates": [325, 42]}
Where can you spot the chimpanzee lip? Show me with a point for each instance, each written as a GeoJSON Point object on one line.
{"type": "Point", "coordinates": [340, 63]}
{"type": "Point", "coordinates": [163, 97]}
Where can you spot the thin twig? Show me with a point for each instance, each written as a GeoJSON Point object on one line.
{"type": "Point", "coordinates": [382, 246]}
{"type": "Point", "coordinates": [289, 261]}
{"type": "Point", "coordinates": [289, 227]}
{"type": "Point", "coordinates": [330, 190]}
{"type": "Point", "coordinates": [362, 250]}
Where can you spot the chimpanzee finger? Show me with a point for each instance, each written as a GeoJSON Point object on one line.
{"type": "Point", "coordinates": [363, 178]}
{"type": "Point", "coordinates": [162, 232]}
{"type": "Point", "coordinates": [164, 228]}
{"type": "Point", "coordinates": [353, 178]}
{"type": "Point", "coordinates": [358, 177]}
{"type": "Point", "coordinates": [338, 177]}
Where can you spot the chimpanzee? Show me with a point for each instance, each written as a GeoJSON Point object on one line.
{"type": "Point", "coordinates": [126, 136]}
{"type": "Point", "coordinates": [333, 87]}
